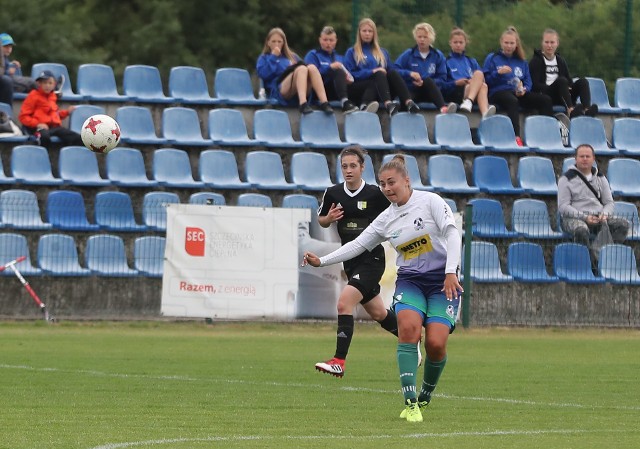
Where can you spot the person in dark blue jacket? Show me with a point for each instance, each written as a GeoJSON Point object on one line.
{"type": "Point", "coordinates": [466, 81]}
{"type": "Point", "coordinates": [286, 76]}
{"type": "Point", "coordinates": [334, 74]}
{"type": "Point", "coordinates": [366, 60]}
{"type": "Point", "coordinates": [507, 75]}
{"type": "Point", "coordinates": [424, 69]}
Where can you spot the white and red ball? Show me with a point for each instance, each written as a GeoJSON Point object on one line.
{"type": "Point", "coordinates": [100, 133]}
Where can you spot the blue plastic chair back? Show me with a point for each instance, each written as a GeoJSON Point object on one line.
{"type": "Point", "coordinates": [142, 83]}
{"type": "Point", "coordinates": [310, 171]}
{"type": "Point", "coordinates": [628, 211]}
{"type": "Point", "coordinates": [627, 94]}
{"type": "Point", "coordinates": [530, 218]}
{"type": "Point", "coordinates": [30, 164]}
{"type": "Point", "coordinates": [572, 263]}
{"type": "Point", "coordinates": [137, 126]}
{"type": "Point", "coordinates": [488, 219]}
{"type": "Point", "coordinates": [13, 246]}
{"type": "Point", "coordinates": [19, 209]}
{"type": "Point", "coordinates": [600, 97]}
{"type": "Point", "coordinates": [4, 179]}
{"type": "Point", "coordinates": [536, 175]}
{"type": "Point", "coordinates": [364, 128]}
{"type": "Point", "coordinates": [125, 166]}
{"type": "Point", "coordinates": [618, 265]}
{"type": "Point", "coordinates": [189, 85]}
{"type": "Point", "coordinates": [626, 135]}
{"type": "Point", "coordinates": [452, 131]}
{"type": "Point", "coordinates": [542, 134]}
{"type": "Point", "coordinates": [106, 256]}
{"type": "Point", "coordinates": [79, 166]}
{"type": "Point", "coordinates": [57, 70]}
{"type": "Point", "coordinates": [172, 167]}
{"type": "Point", "coordinates": [624, 176]}
{"type": "Point", "coordinates": [58, 256]}
{"type": "Point", "coordinates": [320, 130]}
{"type": "Point", "coordinates": [233, 86]}
{"type": "Point", "coordinates": [148, 255]}
{"type": "Point", "coordinates": [227, 127]}
{"type": "Point", "coordinates": [491, 174]}
{"type": "Point", "coordinates": [446, 174]}
{"type": "Point", "coordinates": [525, 262]}
{"type": "Point", "coordinates": [409, 132]}
{"type": "Point", "coordinates": [254, 200]}
{"type": "Point", "coordinates": [273, 127]}
{"type": "Point", "coordinates": [81, 113]}
{"type": "Point", "coordinates": [182, 126]}
{"type": "Point", "coordinates": [154, 209]}
{"type": "Point", "coordinates": [485, 264]}
{"type": "Point", "coordinates": [65, 210]}
{"type": "Point", "coordinates": [97, 82]}
{"type": "Point", "coordinates": [264, 169]}
{"type": "Point", "coordinates": [496, 132]}
{"type": "Point", "coordinates": [114, 211]}
{"type": "Point", "coordinates": [301, 201]}
{"type": "Point", "coordinates": [219, 169]}
{"type": "Point", "coordinates": [590, 130]}
{"type": "Point", "coordinates": [207, 198]}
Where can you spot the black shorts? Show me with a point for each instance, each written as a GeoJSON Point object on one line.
{"type": "Point", "coordinates": [455, 95]}
{"type": "Point", "coordinates": [364, 273]}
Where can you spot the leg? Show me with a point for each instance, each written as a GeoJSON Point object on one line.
{"type": "Point", "coordinates": [619, 228]}
{"type": "Point", "coordinates": [385, 317]}
{"type": "Point", "coordinates": [315, 79]}
{"type": "Point", "coordinates": [339, 83]}
{"type": "Point", "coordinates": [476, 83]}
{"type": "Point", "coordinates": [382, 87]}
{"type": "Point", "coordinates": [581, 89]}
{"type": "Point", "coordinates": [436, 337]}
{"type": "Point", "coordinates": [398, 87]}
{"type": "Point", "coordinates": [537, 101]}
{"type": "Point", "coordinates": [508, 101]}
{"type": "Point", "coordinates": [349, 298]}
{"type": "Point", "coordinates": [6, 89]}
{"type": "Point", "coordinates": [578, 229]}
{"type": "Point", "coordinates": [67, 136]}
{"type": "Point", "coordinates": [561, 87]}
{"type": "Point", "coordinates": [409, 332]}
{"type": "Point", "coordinates": [429, 92]}
{"type": "Point", "coordinates": [295, 83]}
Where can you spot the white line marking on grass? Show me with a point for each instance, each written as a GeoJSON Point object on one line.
{"type": "Point", "coordinates": [319, 386]}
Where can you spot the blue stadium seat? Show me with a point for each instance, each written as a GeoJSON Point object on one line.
{"type": "Point", "coordinates": [413, 170]}
{"type": "Point", "coordinates": [81, 113]}
{"type": "Point", "coordinates": [626, 136]}
{"type": "Point", "coordinates": [272, 127]}
{"type": "Point", "coordinates": [172, 168]}
{"type": "Point", "coordinates": [181, 126]}
{"type": "Point", "coordinates": [13, 246]}
{"type": "Point", "coordinates": [65, 210]}
{"type": "Point", "coordinates": [590, 130]}
{"type": "Point", "coordinates": [254, 200]}
{"type": "Point", "coordinates": [488, 219]}
{"type": "Point", "coordinates": [364, 129]}
{"type": "Point", "coordinates": [137, 127]}
{"type": "Point", "coordinates": [542, 135]}
{"type": "Point", "coordinates": [8, 109]}
{"type": "Point", "coordinates": [114, 212]}
{"type": "Point", "coordinates": [618, 265]}
{"type": "Point", "coordinates": [30, 164]}
{"type": "Point", "coordinates": [491, 174]}
{"type": "Point", "coordinates": [452, 204]}
{"type": "Point", "coordinates": [19, 210]}
{"type": "Point", "coordinates": [58, 256]}
{"type": "Point", "coordinates": [629, 211]}
{"type": "Point", "coordinates": [627, 94]}
{"type": "Point", "coordinates": [496, 133]}
{"type": "Point", "coordinates": [572, 264]}
{"type": "Point", "coordinates": [106, 256]}
{"type": "Point", "coordinates": [97, 82]}
{"type": "Point", "coordinates": [600, 97]}
{"type": "Point", "coordinates": [536, 175]}
{"type": "Point", "coordinates": [368, 175]}
{"type": "Point", "coordinates": [310, 171]}
{"type": "Point", "coordinates": [79, 166]}
{"type": "Point", "coordinates": [125, 167]}
{"type": "Point", "coordinates": [446, 174]}
{"type": "Point", "coordinates": [233, 86]}
{"type": "Point", "coordinates": [530, 218]}
{"type": "Point", "coordinates": [188, 85]}
{"type": "Point", "coordinates": [409, 132]}
{"type": "Point", "coordinates": [142, 83]}
{"type": "Point", "coordinates": [4, 179]}
{"type": "Point", "coordinates": [227, 127]}
{"type": "Point", "coordinates": [219, 169]}
{"type": "Point", "coordinates": [58, 69]}
{"type": "Point", "coordinates": [207, 198]}
{"type": "Point", "coordinates": [264, 170]}
{"type": "Point", "coordinates": [320, 130]}
{"type": "Point", "coordinates": [453, 133]}
{"type": "Point", "coordinates": [301, 201]}
{"type": "Point", "coordinates": [148, 255]}
{"type": "Point", "coordinates": [485, 264]}
{"type": "Point", "coordinates": [525, 262]}
{"type": "Point", "coordinates": [154, 209]}
{"type": "Point", "coordinates": [624, 176]}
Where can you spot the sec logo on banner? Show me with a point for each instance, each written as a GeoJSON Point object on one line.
{"type": "Point", "coordinates": [194, 242]}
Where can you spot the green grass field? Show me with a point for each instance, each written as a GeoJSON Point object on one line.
{"type": "Point", "coordinates": [190, 385]}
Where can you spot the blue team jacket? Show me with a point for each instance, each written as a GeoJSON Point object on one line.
{"type": "Point", "coordinates": [364, 70]}
{"type": "Point", "coordinates": [434, 66]}
{"type": "Point", "coordinates": [322, 60]}
{"type": "Point", "coordinates": [497, 82]}
{"type": "Point", "coordinates": [269, 68]}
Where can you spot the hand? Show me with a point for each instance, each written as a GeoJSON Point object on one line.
{"type": "Point", "coordinates": [42, 126]}
{"type": "Point", "coordinates": [452, 288]}
{"type": "Point", "coordinates": [275, 51]}
{"type": "Point", "coordinates": [311, 259]}
{"type": "Point", "coordinates": [335, 213]}
{"type": "Point", "coordinates": [462, 82]}
{"type": "Point", "coordinates": [593, 219]}
{"type": "Point", "coordinates": [504, 69]}
{"type": "Point", "coordinates": [379, 69]}
{"type": "Point", "coordinates": [70, 109]}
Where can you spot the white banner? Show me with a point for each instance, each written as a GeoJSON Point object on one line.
{"type": "Point", "coordinates": [231, 262]}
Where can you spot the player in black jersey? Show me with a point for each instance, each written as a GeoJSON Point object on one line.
{"type": "Point", "coordinates": [353, 205]}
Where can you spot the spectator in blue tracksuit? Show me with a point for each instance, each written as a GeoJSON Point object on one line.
{"type": "Point", "coordinates": [366, 61]}
{"type": "Point", "coordinates": [424, 69]}
{"type": "Point", "coordinates": [286, 76]}
{"type": "Point", "coordinates": [466, 81]}
{"type": "Point", "coordinates": [507, 75]}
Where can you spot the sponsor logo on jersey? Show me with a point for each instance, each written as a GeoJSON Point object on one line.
{"type": "Point", "coordinates": [362, 205]}
{"type": "Point", "coordinates": [518, 72]}
{"type": "Point", "coordinates": [415, 248]}
{"type": "Point", "coordinates": [395, 234]}
{"type": "Point", "coordinates": [450, 311]}
{"type": "Point", "coordinates": [404, 214]}
{"type": "Point", "coordinates": [418, 224]}
{"type": "Point", "coordinates": [357, 276]}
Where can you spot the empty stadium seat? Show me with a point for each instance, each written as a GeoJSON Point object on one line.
{"type": "Point", "coordinates": [264, 170]}
{"type": "Point", "coordinates": [320, 130]}
{"type": "Point", "coordinates": [181, 126]}
{"type": "Point", "coordinates": [30, 164]}
{"type": "Point", "coordinates": [219, 169]}
{"type": "Point", "coordinates": [208, 198]}
{"type": "Point", "coordinates": [600, 97]}
{"type": "Point", "coordinates": [106, 256]}
{"type": "Point", "coordinates": [172, 168]}
{"type": "Point", "coordinates": [488, 219]}
{"type": "Point", "coordinates": [66, 210]}
{"type": "Point", "coordinates": [617, 264]}
{"type": "Point", "coordinates": [624, 176]}
{"type": "Point", "coordinates": [19, 209]}
{"type": "Point", "coordinates": [58, 256]}
{"type": "Point", "coordinates": [536, 175]}
{"type": "Point", "coordinates": [627, 94]}
{"type": "Point", "coordinates": [452, 132]}
{"type": "Point", "coordinates": [525, 262]}
{"type": "Point", "coordinates": [154, 209]}
{"type": "Point", "coordinates": [148, 255]}
{"type": "Point", "coordinates": [368, 175]}
{"type": "Point", "coordinates": [79, 166]}
{"type": "Point", "coordinates": [227, 127]}
{"type": "Point", "coordinates": [496, 133]}
{"type": "Point", "coordinates": [630, 212]}
{"type": "Point", "coordinates": [114, 212]}
{"type": "Point", "coordinates": [57, 70]}
{"type": "Point", "coordinates": [310, 171]}
{"type": "Point", "coordinates": [81, 113]}
{"type": "Point", "coordinates": [590, 130]}
{"type": "Point", "coordinates": [97, 82]}
{"type": "Point", "coordinates": [142, 83]}
{"type": "Point", "coordinates": [272, 127]}
{"type": "Point", "coordinates": [446, 174]}
{"type": "Point", "coordinates": [4, 179]}
{"type": "Point", "coordinates": [13, 246]}
{"type": "Point", "coordinates": [626, 136]}
{"type": "Point", "coordinates": [233, 86]}
{"type": "Point", "coordinates": [188, 85]}
{"type": "Point", "coordinates": [137, 127]}
{"type": "Point", "coordinates": [542, 135]}
{"type": "Point", "coordinates": [485, 264]}
{"type": "Point", "coordinates": [412, 169]}
{"type": "Point", "coordinates": [572, 263]}
{"type": "Point", "coordinates": [254, 200]}
{"type": "Point", "coordinates": [364, 129]}
{"type": "Point", "coordinates": [301, 201]}
{"type": "Point", "coordinates": [491, 174]}
{"type": "Point", "coordinates": [125, 167]}
{"type": "Point", "coordinates": [531, 219]}
{"type": "Point", "coordinates": [409, 132]}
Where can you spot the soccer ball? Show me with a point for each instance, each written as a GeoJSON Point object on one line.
{"type": "Point", "coordinates": [100, 133]}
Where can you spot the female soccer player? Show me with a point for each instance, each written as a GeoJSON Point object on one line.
{"type": "Point", "coordinates": [421, 228]}
{"type": "Point", "coordinates": [353, 205]}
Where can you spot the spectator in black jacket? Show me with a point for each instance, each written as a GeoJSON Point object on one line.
{"type": "Point", "coordinates": [550, 75]}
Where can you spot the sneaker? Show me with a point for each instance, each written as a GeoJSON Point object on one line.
{"type": "Point", "coordinates": [370, 107]}
{"type": "Point", "coordinates": [491, 110]}
{"type": "Point", "coordinates": [422, 405]}
{"type": "Point", "coordinates": [466, 105]}
{"type": "Point", "coordinates": [412, 411]}
{"type": "Point", "coordinates": [326, 108]}
{"type": "Point", "coordinates": [564, 123]}
{"type": "Point", "coordinates": [591, 111]}
{"type": "Point", "coordinates": [519, 141]}
{"type": "Point", "coordinates": [392, 107]}
{"type": "Point", "coordinates": [577, 111]}
{"type": "Point", "coordinates": [305, 108]}
{"type": "Point", "coordinates": [412, 107]}
{"type": "Point", "coordinates": [58, 89]}
{"type": "Point", "coordinates": [450, 108]}
{"type": "Point", "coordinates": [349, 107]}
{"type": "Point", "coordinates": [335, 367]}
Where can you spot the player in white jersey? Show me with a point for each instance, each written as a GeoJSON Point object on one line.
{"type": "Point", "coordinates": [421, 228]}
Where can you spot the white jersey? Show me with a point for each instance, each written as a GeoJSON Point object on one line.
{"type": "Point", "coordinates": [422, 231]}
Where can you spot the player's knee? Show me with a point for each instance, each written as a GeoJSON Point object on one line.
{"type": "Point", "coordinates": [436, 348]}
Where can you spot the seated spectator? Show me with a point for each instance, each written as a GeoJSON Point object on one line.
{"type": "Point", "coordinates": [286, 76]}
{"type": "Point", "coordinates": [550, 76]}
{"type": "Point", "coordinates": [465, 84]}
{"type": "Point", "coordinates": [335, 76]}
{"type": "Point", "coordinates": [585, 202]}
{"type": "Point", "coordinates": [41, 115]}
{"type": "Point", "coordinates": [424, 69]}
{"type": "Point", "coordinates": [13, 68]}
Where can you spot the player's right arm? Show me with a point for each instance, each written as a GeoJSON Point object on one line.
{"type": "Point", "coordinates": [334, 214]}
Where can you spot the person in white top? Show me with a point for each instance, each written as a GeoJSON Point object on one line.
{"type": "Point", "coordinates": [421, 228]}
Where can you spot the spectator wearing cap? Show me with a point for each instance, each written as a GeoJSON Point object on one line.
{"type": "Point", "coordinates": [6, 82]}
{"type": "Point", "coordinates": [41, 116]}
{"type": "Point", "coordinates": [13, 69]}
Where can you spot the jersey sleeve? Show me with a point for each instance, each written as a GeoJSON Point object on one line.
{"type": "Point", "coordinates": [366, 241]}
{"type": "Point", "coordinates": [444, 219]}
{"type": "Point", "coordinates": [325, 205]}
